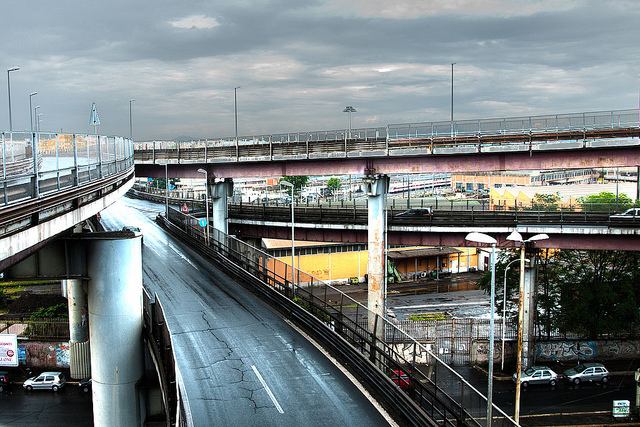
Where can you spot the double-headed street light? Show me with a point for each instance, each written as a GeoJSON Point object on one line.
{"type": "Point", "coordinates": [485, 238]}
{"type": "Point", "coordinates": [206, 199]}
{"type": "Point", "coordinates": [504, 309]}
{"type": "Point", "coordinates": [9, 94]}
{"type": "Point", "coordinates": [349, 109]}
{"type": "Point", "coordinates": [31, 95]}
{"type": "Point", "coordinates": [130, 121]}
{"type": "Point", "coordinates": [517, 237]}
{"type": "Point", "coordinates": [293, 227]}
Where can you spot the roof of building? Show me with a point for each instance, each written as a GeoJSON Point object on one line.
{"type": "Point", "coordinates": [286, 243]}
{"type": "Point", "coordinates": [422, 253]}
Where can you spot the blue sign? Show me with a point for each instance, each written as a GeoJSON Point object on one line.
{"type": "Point", "coordinates": [203, 223]}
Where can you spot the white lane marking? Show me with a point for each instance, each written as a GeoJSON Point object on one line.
{"type": "Point", "coordinates": [266, 387]}
{"type": "Point", "coordinates": [183, 257]}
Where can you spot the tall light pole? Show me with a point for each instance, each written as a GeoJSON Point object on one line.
{"type": "Point", "coordinates": [130, 120]}
{"type": "Point", "coordinates": [9, 94]}
{"type": "Point", "coordinates": [36, 123]}
{"type": "Point", "coordinates": [235, 109]}
{"type": "Point", "coordinates": [517, 237]}
{"type": "Point", "coordinates": [349, 109]}
{"type": "Point", "coordinates": [206, 199]}
{"type": "Point", "coordinates": [293, 227]}
{"type": "Point", "coordinates": [31, 95]}
{"type": "Point", "coordinates": [485, 238]}
{"type": "Point", "coordinates": [452, 64]}
{"type": "Point", "coordinates": [504, 310]}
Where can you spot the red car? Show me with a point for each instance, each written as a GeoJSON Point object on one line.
{"type": "Point", "coordinates": [401, 378]}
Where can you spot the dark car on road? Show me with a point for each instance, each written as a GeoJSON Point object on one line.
{"type": "Point", "coordinates": [415, 213]}
{"type": "Point", "coordinates": [5, 380]}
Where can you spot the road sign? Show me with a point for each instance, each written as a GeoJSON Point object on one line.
{"type": "Point", "coordinates": [621, 408]}
{"type": "Point", "coordinates": [95, 119]}
{"type": "Point", "coordinates": [184, 209]}
{"type": "Point", "coordinates": [203, 223]}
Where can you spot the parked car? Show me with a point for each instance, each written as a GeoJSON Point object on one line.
{"type": "Point", "coordinates": [587, 372]}
{"type": "Point", "coordinates": [85, 385]}
{"type": "Point", "coordinates": [633, 213]}
{"type": "Point", "coordinates": [5, 380]}
{"type": "Point", "coordinates": [46, 380]}
{"type": "Point", "coordinates": [415, 213]}
{"type": "Point", "coordinates": [537, 375]}
{"type": "Point", "coordinates": [401, 378]}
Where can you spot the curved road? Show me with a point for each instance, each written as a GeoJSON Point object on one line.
{"type": "Point", "coordinates": [242, 364]}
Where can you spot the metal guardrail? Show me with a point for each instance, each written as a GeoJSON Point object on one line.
{"type": "Point", "coordinates": [435, 395]}
{"type": "Point", "coordinates": [395, 139]}
{"type": "Point", "coordinates": [37, 164]}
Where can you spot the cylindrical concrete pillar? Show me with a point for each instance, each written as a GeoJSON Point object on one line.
{"type": "Point", "coordinates": [219, 192]}
{"type": "Point", "coordinates": [114, 265]}
{"type": "Point", "coordinates": [79, 353]}
{"type": "Point", "coordinates": [377, 189]}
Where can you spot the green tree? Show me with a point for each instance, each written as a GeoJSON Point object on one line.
{"type": "Point", "coordinates": [545, 202]}
{"type": "Point", "coordinates": [298, 183]}
{"type": "Point", "coordinates": [162, 182]}
{"type": "Point", "coordinates": [334, 184]}
{"type": "Point", "coordinates": [605, 201]}
{"type": "Point", "coordinates": [598, 291]}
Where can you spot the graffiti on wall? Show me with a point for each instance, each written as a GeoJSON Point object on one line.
{"type": "Point", "coordinates": [558, 350]}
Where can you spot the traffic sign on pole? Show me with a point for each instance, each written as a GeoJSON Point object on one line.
{"type": "Point", "coordinates": [184, 209]}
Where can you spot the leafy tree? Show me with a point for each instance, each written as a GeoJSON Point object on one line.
{"type": "Point", "coordinates": [504, 258]}
{"type": "Point", "coordinates": [334, 184]}
{"type": "Point", "coordinates": [60, 310]}
{"type": "Point", "coordinates": [162, 182]}
{"type": "Point", "coordinates": [546, 202]}
{"type": "Point", "coordinates": [297, 181]}
{"type": "Point", "coordinates": [605, 201]}
{"type": "Point", "coordinates": [599, 293]}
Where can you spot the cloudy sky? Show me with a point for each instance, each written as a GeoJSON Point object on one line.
{"type": "Point", "coordinates": [298, 63]}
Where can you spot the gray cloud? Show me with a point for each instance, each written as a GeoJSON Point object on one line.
{"type": "Point", "coordinates": [299, 63]}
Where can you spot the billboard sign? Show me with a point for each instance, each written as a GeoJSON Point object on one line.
{"type": "Point", "coordinates": [8, 350]}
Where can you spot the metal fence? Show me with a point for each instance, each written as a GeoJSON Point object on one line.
{"type": "Point", "coordinates": [434, 386]}
{"type": "Point", "coordinates": [39, 163]}
{"type": "Point", "coordinates": [44, 328]}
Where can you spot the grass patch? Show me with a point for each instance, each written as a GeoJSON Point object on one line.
{"type": "Point", "coordinates": [428, 316]}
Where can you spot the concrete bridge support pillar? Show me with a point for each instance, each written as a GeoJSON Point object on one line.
{"type": "Point", "coordinates": [114, 264]}
{"type": "Point", "coordinates": [79, 350]}
{"type": "Point", "coordinates": [376, 188]}
{"type": "Point", "coordinates": [529, 316]}
{"type": "Point", "coordinates": [219, 191]}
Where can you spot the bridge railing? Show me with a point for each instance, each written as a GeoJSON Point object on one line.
{"type": "Point", "coordinates": [39, 163]}
{"type": "Point", "coordinates": [394, 139]}
{"type": "Point", "coordinates": [438, 390]}
{"type": "Point", "coordinates": [615, 119]}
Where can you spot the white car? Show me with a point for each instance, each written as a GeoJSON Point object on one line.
{"type": "Point", "coordinates": [633, 213]}
{"type": "Point", "coordinates": [46, 380]}
{"type": "Point", "coordinates": [537, 375]}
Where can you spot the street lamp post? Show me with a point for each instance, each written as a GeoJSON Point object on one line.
{"type": "Point", "coordinates": [9, 94]}
{"type": "Point", "coordinates": [31, 95]}
{"type": "Point", "coordinates": [235, 112]}
{"type": "Point", "coordinates": [485, 238]}
{"type": "Point", "coordinates": [504, 310]}
{"type": "Point", "coordinates": [206, 199]}
{"type": "Point", "coordinates": [349, 109]}
{"type": "Point", "coordinates": [36, 123]}
{"type": "Point", "coordinates": [293, 248]}
{"type": "Point", "coordinates": [452, 64]}
{"type": "Point", "coordinates": [130, 120]}
{"type": "Point", "coordinates": [517, 237]}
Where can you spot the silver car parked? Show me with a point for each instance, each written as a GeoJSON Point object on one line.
{"type": "Point", "coordinates": [584, 372]}
{"type": "Point", "coordinates": [537, 375]}
{"type": "Point", "coordinates": [46, 380]}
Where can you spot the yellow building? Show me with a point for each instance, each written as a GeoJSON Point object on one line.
{"type": "Point", "coordinates": [338, 262]}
